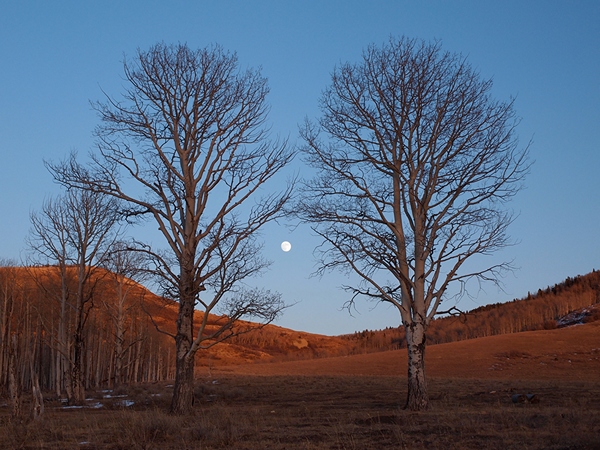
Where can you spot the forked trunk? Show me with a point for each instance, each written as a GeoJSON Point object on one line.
{"type": "Point", "coordinates": [76, 393]}
{"type": "Point", "coordinates": [417, 398]}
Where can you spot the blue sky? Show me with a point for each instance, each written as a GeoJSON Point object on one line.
{"type": "Point", "coordinates": [57, 56]}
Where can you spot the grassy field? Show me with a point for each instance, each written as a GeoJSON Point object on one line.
{"type": "Point", "coordinates": [354, 402]}
{"type": "Point", "coordinates": [309, 412]}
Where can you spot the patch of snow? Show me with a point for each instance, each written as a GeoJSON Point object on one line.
{"type": "Point", "coordinates": [125, 403]}
{"type": "Point", "coordinates": [96, 405]}
{"type": "Point", "coordinates": [575, 317]}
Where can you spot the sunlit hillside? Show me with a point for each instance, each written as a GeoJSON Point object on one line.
{"type": "Point", "coordinates": [129, 331]}
{"type": "Point", "coordinates": [541, 310]}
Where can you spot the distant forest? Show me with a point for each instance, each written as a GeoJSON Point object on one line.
{"type": "Point", "coordinates": [129, 330]}
{"type": "Point", "coordinates": [37, 320]}
{"type": "Point", "coordinates": [538, 311]}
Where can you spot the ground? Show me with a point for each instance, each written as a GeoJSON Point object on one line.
{"type": "Point", "coordinates": [355, 403]}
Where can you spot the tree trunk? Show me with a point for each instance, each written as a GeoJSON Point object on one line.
{"type": "Point", "coordinates": [138, 356]}
{"type": "Point", "coordinates": [119, 322]}
{"type": "Point", "coordinates": [417, 398]}
{"type": "Point", "coordinates": [63, 363]}
{"type": "Point", "coordinates": [183, 390]}
{"type": "Point", "coordinates": [5, 331]}
{"type": "Point", "coordinates": [14, 387]}
{"type": "Point", "coordinates": [77, 374]}
{"type": "Point", "coordinates": [118, 353]}
{"type": "Point", "coordinates": [37, 398]}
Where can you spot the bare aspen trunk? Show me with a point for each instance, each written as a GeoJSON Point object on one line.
{"type": "Point", "coordinates": [55, 358]}
{"type": "Point", "coordinates": [119, 332]}
{"type": "Point", "coordinates": [63, 378]}
{"type": "Point", "coordinates": [14, 387]}
{"type": "Point", "coordinates": [138, 356]}
{"type": "Point", "coordinates": [417, 397]}
{"type": "Point", "coordinates": [169, 367]}
{"type": "Point", "coordinates": [5, 331]}
{"type": "Point", "coordinates": [77, 363]}
{"type": "Point", "coordinates": [159, 366]}
{"type": "Point", "coordinates": [183, 393]}
{"type": "Point", "coordinates": [77, 374]}
{"type": "Point", "coordinates": [118, 359]}
{"type": "Point", "coordinates": [183, 390]}
{"type": "Point", "coordinates": [68, 376]}
{"type": "Point", "coordinates": [111, 373]}
{"type": "Point", "coordinates": [37, 403]}
{"type": "Point", "coordinates": [100, 361]}
{"type": "Point", "coordinates": [37, 399]}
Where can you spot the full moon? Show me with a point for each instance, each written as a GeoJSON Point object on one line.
{"type": "Point", "coordinates": [286, 246]}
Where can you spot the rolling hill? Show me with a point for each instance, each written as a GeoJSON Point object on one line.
{"type": "Point", "coordinates": [30, 310]}
{"type": "Point", "coordinates": [564, 353]}
{"type": "Point", "coordinates": [575, 300]}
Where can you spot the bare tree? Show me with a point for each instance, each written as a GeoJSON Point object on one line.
{"type": "Point", "coordinates": [49, 242]}
{"type": "Point", "coordinates": [73, 233]}
{"type": "Point", "coordinates": [415, 167]}
{"type": "Point", "coordinates": [187, 146]}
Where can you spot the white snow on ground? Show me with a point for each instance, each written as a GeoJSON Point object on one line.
{"type": "Point", "coordinates": [96, 405]}
{"type": "Point", "coordinates": [575, 317]}
{"type": "Point", "coordinates": [91, 403]}
{"type": "Point", "coordinates": [126, 403]}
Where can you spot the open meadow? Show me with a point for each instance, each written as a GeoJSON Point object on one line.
{"type": "Point", "coordinates": [354, 402]}
{"type": "Point", "coordinates": [322, 412]}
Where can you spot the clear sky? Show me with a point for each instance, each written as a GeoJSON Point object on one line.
{"type": "Point", "coordinates": [56, 56]}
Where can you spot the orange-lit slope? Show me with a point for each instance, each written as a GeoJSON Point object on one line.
{"type": "Point", "coordinates": [568, 353]}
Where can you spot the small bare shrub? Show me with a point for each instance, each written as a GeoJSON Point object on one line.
{"type": "Point", "coordinates": [513, 354]}
{"type": "Point", "coordinates": [148, 429]}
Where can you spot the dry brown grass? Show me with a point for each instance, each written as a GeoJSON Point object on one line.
{"type": "Point", "coordinates": [355, 403]}
{"type": "Point", "coordinates": [320, 412]}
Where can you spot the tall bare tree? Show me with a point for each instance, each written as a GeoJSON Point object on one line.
{"type": "Point", "coordinates": [415, 163]}
{"type": "Point", "coordinates": [49, 242]}
{"type": "Point", "coordinates": [187, 146]}
{"type": "Point", "coordinates": [73, 233]}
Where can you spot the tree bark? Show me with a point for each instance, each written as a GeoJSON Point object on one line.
{"type": "Point", "coordinates": [119, 331]}
{"type": "Point", "coordinates": [14, 386]}
{"type": "Point", "coordinates": [37, 398]}
{"type": "Point", "coordinates": [183, 390]}
{"type": "Point", "coordinates": [77, 375]}
{"type": "Point", "coordinates": [183, 394]}
{"type": "Point", "coordinates": [417, 398]}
